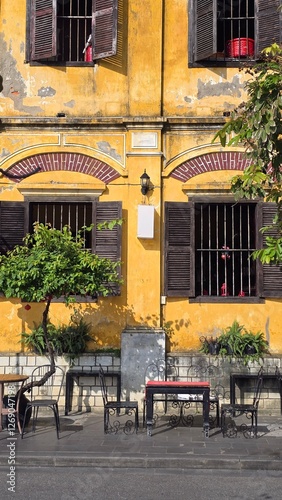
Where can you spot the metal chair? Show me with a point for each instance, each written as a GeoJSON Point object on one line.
{"type": "Point", "coordinates": [44, 396]}
{"type": "Point", "coordinates": [156, 370]}
{"type": "Point", "coordinates": [113, 408]}
{"type": "Point", "coordinates": [237, 409]}
{"type": "Point", "coordinates": [200, 372]}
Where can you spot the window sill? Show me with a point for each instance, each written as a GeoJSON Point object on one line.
{"type": "Point", "coordinates": [226, 300]}
{"type": "Point", "coordinates": [226, 63]}
{"type": "Point", "coordinates": [62, 63]}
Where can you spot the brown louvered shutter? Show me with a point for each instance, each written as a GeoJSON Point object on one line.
{"type": "Point", "coordinates": [268, 24]}
{"type": "Point", "coordinates": [270, 283]}
{"type": "Point", "coordinates": [179, 249]}
{"type": "Point", "coordinates": [206, 29]}
{"type": "Point", "coordinates": [12, 224]}
{"type": "Point", "coordinates": [107, 242]}
{"type": "Point", "coordinates": [104, 28]}
{"type": "Point", "coordinates": [43, 29]}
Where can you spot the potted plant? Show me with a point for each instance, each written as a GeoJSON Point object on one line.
{"type": "Point", "coordinates": [210, 345]}
{"type": "Point", "coordinates": [67, 340]}
{"type": "Point", "coordinates": [236, 341]}
{"type": "Point", "coordinates": [230, 340]}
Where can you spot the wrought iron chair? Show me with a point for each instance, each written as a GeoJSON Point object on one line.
{"type": "Point", "coordinates": [199, 373]}
{"type": "Point", "coordinates": [237, 409]}
{"type": "Point", "coordinates": [113, 408]}
{"type": "Point", "coordinates": [44, 396]}
{"type": "Point", "coordinates": [154, 371]}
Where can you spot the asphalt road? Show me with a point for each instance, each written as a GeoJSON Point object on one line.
{"type": "Point", "coordinates": [147, 484]}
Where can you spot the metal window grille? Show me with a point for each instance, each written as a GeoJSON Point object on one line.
{"type": "Point", "coordinates": [225, 240]}
{"type": "Point", "coordinates": [58, 215]}
{"type": "Point", "coordinates": [74, 27]}
{"type": "Point", "coordinates": [236, 28]}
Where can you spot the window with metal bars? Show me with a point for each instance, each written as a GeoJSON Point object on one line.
{"type": "Point", "coordinates": [232, 31]}
{"type": "Point", "coordinates": [74, 20]}
{"type": "Point", "coordinates": [224, 241]}
{"type": "Point", "coordinates": [71, 31]}
{"type": "Point", "coordinates": [58, 215]}
{"type": "Point", "coordinates": [208, 247]}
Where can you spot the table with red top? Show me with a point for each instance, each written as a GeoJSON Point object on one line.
{"type": "Point", "coordinates": [174, 387]}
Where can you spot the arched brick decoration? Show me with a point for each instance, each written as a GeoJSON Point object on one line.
{"type": "Point", "coordinates": [210, 162]}
{"type": "Point", "coordinates": [71, 162]}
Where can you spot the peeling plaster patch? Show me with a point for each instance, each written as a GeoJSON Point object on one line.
{"type": "Point", "coordinates": [22, 49]}
{"type": "Point", "coordinates": [221, 88]}
{"type": "Point", "coordinates": [46, 91]}
{"type": "Point", "coordinates": [70, 104]}
{"type": "Point", "coordinates": [4, 153]}
{"type": "Point", "coordinates": [187, 99]}
{"type": "Point", "coordinates": [14, 86]}
{"type": "Point", "coordinates": [105, 147]}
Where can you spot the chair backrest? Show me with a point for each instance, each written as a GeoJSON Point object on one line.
{"type": "Point", "coordinates": [278, 374]}
{"type": "Point", "coordinates": [155, 371]}
{"type": "Point", "coordinates": [103, 385]}
{"type": "Point", "coordinates": [52, 387]}
{"type": "Point", "coordinates": [258, 388]}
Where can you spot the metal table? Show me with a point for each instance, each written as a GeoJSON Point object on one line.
{"type": "Point", "coordinates": [175, 387]}
{"type": "Point", "coordinates": [11, 379]}
{"type": "Point", "coordinates": [236, 377]}
{"type": "Point", "coordinates": [73, 375]}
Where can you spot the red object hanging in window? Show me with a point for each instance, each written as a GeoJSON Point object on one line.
{"type": "Point", "coordinates": [224, 291]}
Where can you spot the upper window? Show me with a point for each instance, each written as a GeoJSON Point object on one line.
{"type": "Point", "coordinates": [209, 247]}
{"type": "Point", "coordinates": [71, 31]}
{"type": "Point", "coordinates": [222, 31]}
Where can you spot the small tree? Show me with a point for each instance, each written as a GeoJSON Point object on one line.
{"type": "Point", "coordinates": [52, 264]}
{"type": "Point", "coordinates": [256, 124]}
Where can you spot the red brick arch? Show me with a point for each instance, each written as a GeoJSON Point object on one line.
{"type": "Point", "coordinates": [71, 162]}
{"type": "Point", "coordinates": [210, 162]}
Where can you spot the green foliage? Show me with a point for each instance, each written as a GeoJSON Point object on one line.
{"type": "Point", "coordinates": [237, 342]}
{"type": "Point", "coordinates": [53, 263]}
{"type": "Point", "coordinates": [114, 351]}
{"type": "Point", "coordinates": [256, 125]}
{"type": "Point", "coordinates": [69, 340]}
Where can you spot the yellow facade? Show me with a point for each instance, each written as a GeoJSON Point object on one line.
{"type": "Point", "coordinates": [141, 109]}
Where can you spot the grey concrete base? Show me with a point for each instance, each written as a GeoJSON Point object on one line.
{"type": "Point", "coordinates": [140, 349]}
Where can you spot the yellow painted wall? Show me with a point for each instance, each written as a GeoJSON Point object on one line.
{"type": "Point", "coordinates": [146, 89]}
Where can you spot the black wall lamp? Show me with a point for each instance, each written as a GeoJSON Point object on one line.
{"type": "Point", "coordinates": [145, 183]}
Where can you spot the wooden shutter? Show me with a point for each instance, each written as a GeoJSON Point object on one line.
{"type": "Point", "coordinates": [270, 275]}
{"type": "Point", "coordinates": [104, 28]}
{"type": "Point", "coordinates": [179, 249]}
{"type": "Point", "coordinates": [12, 225]}
{"type": "Point", "coordinates": [205, 26]}
{"type": "Point", "coordinates": [268, 24]}
{"type": "Point", "coordinates": [107, 242]}
{"type": "Point", "coordinates": [43, 29]}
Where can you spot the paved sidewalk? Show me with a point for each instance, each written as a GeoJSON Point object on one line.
{"type": "Point", "coordinates": [83, 443]}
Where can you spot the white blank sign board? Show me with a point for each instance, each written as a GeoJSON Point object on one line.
{"type": "Point", "coordinates": [145, 222]}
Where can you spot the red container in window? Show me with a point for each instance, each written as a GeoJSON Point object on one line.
{"type": "Point", "coordinates": [240, 47]}
{"type": "Point", "coordinates": [88, 54]}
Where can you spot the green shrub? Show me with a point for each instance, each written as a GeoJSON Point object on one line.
{"type": "Point", "coordinates": [237, 342]}
{"type": "Point", "coordinates": [68, 340]}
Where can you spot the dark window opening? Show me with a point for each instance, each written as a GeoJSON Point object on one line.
{"type": "Point", "coordinates": [74, 18]}
{"type": "Point", "coordinates": [224, 241]}
{"type": "Point", "coordinates": [236, 28]}
{"type": "Point", "coordinates": [58, 215]}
